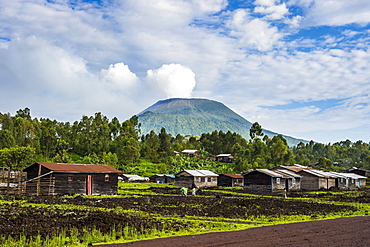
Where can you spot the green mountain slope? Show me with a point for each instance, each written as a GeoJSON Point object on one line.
{"type": "Point", "coordinates": [195, 117]}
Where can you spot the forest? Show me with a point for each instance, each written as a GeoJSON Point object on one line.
{"type": "Point", "coordinates": [99, 140]}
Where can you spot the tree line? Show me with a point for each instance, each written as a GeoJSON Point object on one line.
{"type": "Point", "coordinates": [99, 140]}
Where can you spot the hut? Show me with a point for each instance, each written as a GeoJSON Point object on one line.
{"type": "Point", "coordinates": [312, 179]}
{"type": "Point", "coordinates": [191, 152]}
{"type": "Point", "coordinates": [58, 178]}
{"type": "Point", "coordinates": [357, 181]}
{"type": "Point", "coordinates": [226, 158]}
{"type": "Point", "coordinates": [342, 181]}
{"type": "Point", "coordinates": [268, 180]}
{"type": "Point", "coordinates": [131, 178]}
{"type": "Point", "coordinates": [196, 178]}
{"type": "Point", "coordinates": [359, 171]}
{"type": "Point", "coordinates": [162, 178]}
{"type": "Point", "coordinates": [316, 180]}
{"type": "Point", "coordinates": [230, 180]}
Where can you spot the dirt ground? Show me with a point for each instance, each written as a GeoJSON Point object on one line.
{"type": "Point", "coordinates": [353, 231]}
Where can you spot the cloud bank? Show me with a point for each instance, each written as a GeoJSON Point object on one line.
{"type": "Point", "coordinates": [298, 67]}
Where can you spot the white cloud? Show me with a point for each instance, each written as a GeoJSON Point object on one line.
{"type": "Point", "coordinates": [175, 80]}
{"type": "Point", "coordinates": [120, 76]}
{"type": "Point", "coordinates": [265, 2]}
{"type": "Point", "coordinates": [204, 7]}
{"type": "Point", "coordinates": [254, 33]}
{"type": "Point", "coordinates": [295, 21]}
{"type": "Point", "coordinates": [335, 12]}
{"type": "Point", "coordinates": [275, 12]}
{"type": "Point", "coordinates": [102, 57]}
{"type": "Point", "coordinates": [54, 83]}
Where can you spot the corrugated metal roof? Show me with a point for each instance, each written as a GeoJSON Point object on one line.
{"type": "Point", "coordinates": [83, 168]}
{"type": "Point", "coordinates": [288, 173]}
{"type": "Point", "coordinates": [301, 166]}
{"type": "Point", "coordinates": [360, 169]}
{"type": "Point", "coordinates": [199, 173]}
{"type": "Point", "coordinates": [189, 151]}
{"type": "Point", "coordinates": [319, 173]}
{"type": "Point", "coordinates": [338, 175]}
{"type": "Point", "coordinates": [270, 173]}
{"type": "Point", "coordinates": [233, 175]}
{"type": "Point", "coordinates": [296, 168]}
{"type": "Point", "coordinates": [354, 176]}
{"type": "Point", "coordinates": [224, 155]}
{"type": "Point", "coordinates": [135, 177]}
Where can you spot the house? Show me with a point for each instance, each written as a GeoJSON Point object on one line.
{"type": "Point", "coordinates": [58, 178]}
{"type": "Point", "coordinates": [268, 180]}
{"type": "Point", "coordinates": [162, 178]}
{"type": "Point", "coordinates": [191, 152]}
{"type": "Point", "coordinates": [128, 178]}
{"type": "Point", "coordinates": [357, 181]}
{"type": "Point", "coordinates": [342, 181]}
{"type": "Point", "coordinates": [226, 158]}
{"type": "Point", "coordinates": [230, 180]}
{"type": "Point", "coordinates": [291, 179]}
{"type": "Point", "coordinates": [197, 178]}
{"type": "Point", "coordinates": [312, 179]}
{"type": "Point", "coordinates": [359, 171]}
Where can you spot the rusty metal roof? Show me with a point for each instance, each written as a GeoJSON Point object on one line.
{"type": "Point", "coordinates": [295, 168]}
{"type": "Point", "coordinates": [233, 175]}
{"type": "Point", "coordinates": [83, 168]}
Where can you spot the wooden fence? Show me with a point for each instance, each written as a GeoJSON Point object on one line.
{"type": "Point", "coordinates": [14, 182]}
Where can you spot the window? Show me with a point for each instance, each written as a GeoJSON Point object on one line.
{"type": "Point", "coordinates": [199, 179]}
{"type": "Point", "coordinates": [293, 180]}
{"type": "Point", "coordinates": [106, 177]}
{"type": "Point", "coordinates": [278, 180]}
{"type": "Point", "coordinates": [70, 179]}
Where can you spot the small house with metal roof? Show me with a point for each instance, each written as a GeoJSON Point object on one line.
{"type": "Point", "coordinates": [133, 178]}
{"type": "Point", "coordinates": [359, 171]}
{"type": "Point", "coordinates": [312, 179]}
{"type": "Point", "coordinates": [59, 178]}
{"type": "Point", "coordinates": [226, 158]}
{"type": "Point", "coordinates": [196, 178]}
{"type": "Point", "coordinates": [162, 178]}
{"type": "Point", "coordinates": [268, 180]}
{"type": "Point", "coordinates": [230, 180]}
{"type": "Point", "coordinates": [191, 152]}
{"type": "Point", "coordinates": [317, 180]}
{"type": "Point", "coordinates": [357, 181]}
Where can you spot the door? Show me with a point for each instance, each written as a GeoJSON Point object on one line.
{"type": "Point", "coordinates": [88, 184]}
{"type": "Point", "coordinates": [286, 184]}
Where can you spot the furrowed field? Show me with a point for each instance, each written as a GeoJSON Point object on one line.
{"type": "Point", "coordinates": [148, 210]}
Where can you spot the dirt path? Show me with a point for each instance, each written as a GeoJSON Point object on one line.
{"type": "Point", "coordinates": [354, 231]}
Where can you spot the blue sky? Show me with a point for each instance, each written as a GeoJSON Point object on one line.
{"type": "Point", "coordinates": [298, 67]}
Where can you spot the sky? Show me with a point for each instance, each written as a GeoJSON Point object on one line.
{"type": "Point", "coordinates": [297, 67]}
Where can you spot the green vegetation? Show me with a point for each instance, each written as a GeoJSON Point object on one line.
{"type": "Point", "coordinates": [151, 210]}
{"type": "Point", "coordinates": [98, 140]}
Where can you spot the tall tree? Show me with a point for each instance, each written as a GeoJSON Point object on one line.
{"type": "Point", "coordinates": [255, 130]}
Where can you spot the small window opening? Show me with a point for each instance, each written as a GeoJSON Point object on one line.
{"type": "Point", "coordinates": [106, 177]}
{"type": "Point", "coordinates": [70, 179]}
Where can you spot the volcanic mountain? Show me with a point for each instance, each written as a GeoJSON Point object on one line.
{"type": "Point", "coordinates": [195, 117]}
